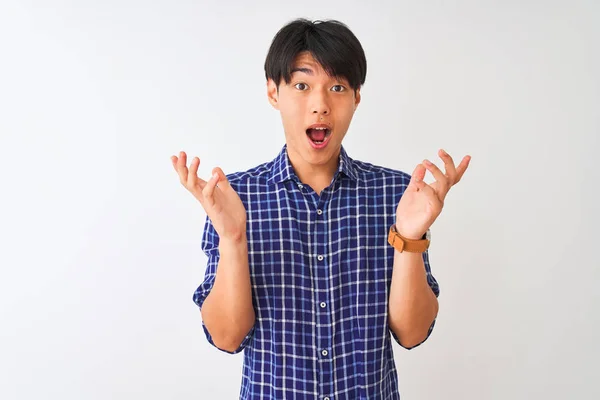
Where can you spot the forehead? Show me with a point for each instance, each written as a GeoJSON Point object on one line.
{"type": "Point", "coordinates": [305, 57]}
{"type": "Point", "coordinates": [305, 63]}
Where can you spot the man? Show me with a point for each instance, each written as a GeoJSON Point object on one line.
{"type": "Point", "coordinates": [314, 259]}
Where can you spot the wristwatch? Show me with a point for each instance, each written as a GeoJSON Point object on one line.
{"type": "Point", "coordinates": [401, 243]}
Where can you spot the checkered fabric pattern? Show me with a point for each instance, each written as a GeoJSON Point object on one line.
{"type": "Point", "coordinates": [320, 269]}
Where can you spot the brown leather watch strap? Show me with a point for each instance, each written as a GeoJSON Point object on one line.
{"type": "Point", "coordinates": [403, 244]}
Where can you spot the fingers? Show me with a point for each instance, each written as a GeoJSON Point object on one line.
{"type": "Point", "coordinates": [188, 178]}
{"type": "Point", "coordinates": [223, 181]}
{"type": "Point", "coordinates": [448, 166]}
{"type": "Point", "coordinates": [218, 180]}
{"type": "Point", "coordinates": [192, 176]}
{"type": "Point", "coordinates": [417, 176]}
{"type": "Point", "coordinates": [209, 190]}
{"type": "Point", "coordinates": [204, 191]}
{"type": "Point", "coordinates": [462, 167]}
{"type": "Point", "coordinates": [180, 166]}
{"type": "Point", "coordinates": [455, 174]}
{"type": "Point", "coordinates": [417, 184]}
{"type": "Point", "coordinates": [442, 180]}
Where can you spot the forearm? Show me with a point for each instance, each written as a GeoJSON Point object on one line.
{"type": "Point", "coordinates": [227, 311]}
{"type": "Point", "coordinates": [412, 304]}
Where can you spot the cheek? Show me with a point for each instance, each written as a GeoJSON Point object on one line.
{"type": "Point", "coordinates": [292, 113]}
{"type": "Point", "coordinates": [345, 115]}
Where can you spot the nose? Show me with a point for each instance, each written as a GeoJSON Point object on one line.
{"type": "Point", "coordinates": [320, 105]}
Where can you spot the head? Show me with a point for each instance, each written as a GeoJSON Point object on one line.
{"type": "Point", "coordinates": [314, 73]}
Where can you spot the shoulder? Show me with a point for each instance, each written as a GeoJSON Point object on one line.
{"type": "Point", "coordinates": [373, 175]}
{"type": "Point", "coordinates": [254, 176]}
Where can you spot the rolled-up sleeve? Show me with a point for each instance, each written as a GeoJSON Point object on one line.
{"type": "Point", "coordinates": [433, 284]}
{"type": "Point", "coordinates": [210, 247]}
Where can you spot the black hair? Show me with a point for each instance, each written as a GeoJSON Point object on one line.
{"type": "Point", "coordinates": [331, 43]}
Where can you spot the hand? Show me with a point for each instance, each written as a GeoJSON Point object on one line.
{"type": "Point", "coordinates": [421, 204]}
{"type": "Point", "coordinates": [221, 203]}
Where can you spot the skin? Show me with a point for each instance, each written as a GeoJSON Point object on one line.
{"type": "Point", "coordinates": [412, 304]}
{"type": "Point", "coordinates": [227, 311]}
{"type": "Point", "coordinates": [311, 97]}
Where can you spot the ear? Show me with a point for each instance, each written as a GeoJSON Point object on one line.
{"type": "Point", "coordinates": [272, 94]}
{"type": "Point", "coordinates": [356, 98]}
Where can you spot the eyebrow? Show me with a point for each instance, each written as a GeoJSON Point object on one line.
{"type": "Point", "coordinates": [307, 71]}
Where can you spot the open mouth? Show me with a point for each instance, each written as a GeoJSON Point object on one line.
{"type": "Point", "coordinates": [318, 135]}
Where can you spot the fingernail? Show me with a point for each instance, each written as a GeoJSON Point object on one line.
{"type": "Point", "coordinates": [215, 175]}
{"type": "Point", "coordinates": [427, 162]}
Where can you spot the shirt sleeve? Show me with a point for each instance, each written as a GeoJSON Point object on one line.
{"type": "Point", "coordinates": [210, 246]}
{"type": "Point", "coordinates": [433, 284]}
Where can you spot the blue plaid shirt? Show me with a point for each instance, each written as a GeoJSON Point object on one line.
{"type": "Point", "coordinates": [320, 269]}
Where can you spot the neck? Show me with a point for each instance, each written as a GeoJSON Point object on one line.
{"type": "Point", "coordinates": [317, 176]}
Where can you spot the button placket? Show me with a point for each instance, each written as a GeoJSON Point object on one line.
{"type": "Point", "coordinates": [322, 272]}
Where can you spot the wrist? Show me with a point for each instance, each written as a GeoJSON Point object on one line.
{"type": "Point", "coordinates": [408, 234]}
{"type": "Point", "coordinates": [233, 240]}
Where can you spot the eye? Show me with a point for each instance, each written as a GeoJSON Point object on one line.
{"type": "Point", "coordinates": [301, 86]}
{"type": "Point", "coordinates": [338, 88]}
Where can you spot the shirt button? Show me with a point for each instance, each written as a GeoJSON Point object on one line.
{"type": "Point", "coordinates": [326, 398]}
{"type": "Point", "coordinates": [320, 258]}
{"type": "Point", "coordinates": [319, 212]}
{"type": "Point", "coordinates": [324, 352]}
{"type": "Point", "coordinates": [300, 186]}
{"type": "Point", "coordinates": [323, 305]}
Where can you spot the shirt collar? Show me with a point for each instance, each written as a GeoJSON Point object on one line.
{"type": "Point", "coordinates": [282, 169]}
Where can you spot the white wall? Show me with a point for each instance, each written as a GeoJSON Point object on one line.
{"type": "Point", "coordinates": [101, 244]}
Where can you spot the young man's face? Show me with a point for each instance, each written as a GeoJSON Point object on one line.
{"type": "Point", "coordinates": [310, 101]}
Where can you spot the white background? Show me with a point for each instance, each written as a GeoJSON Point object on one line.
{"type": "Point", "coordinates": [101, 244]}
